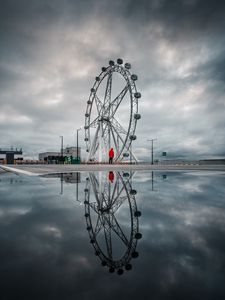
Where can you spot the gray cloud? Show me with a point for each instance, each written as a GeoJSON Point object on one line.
{"type": "Point", "coordinates": [51, 52]}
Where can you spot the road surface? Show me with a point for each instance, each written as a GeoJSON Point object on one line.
{"type": "Point", "coordinates": [34, 170]}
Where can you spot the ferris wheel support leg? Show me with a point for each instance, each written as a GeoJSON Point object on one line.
{"type": "Point", "coordinates": [133, 157]}
{"type": "Point", "coordinates": [100, 142]}
{"type": "Point", "coordinates": [109, 137]}
{"type": "Point", "coordinates": [116, 142]}
{"type": "Point", "coordinates": [94, 145]}
{"type": "Point", "coordinates": [100, 186]}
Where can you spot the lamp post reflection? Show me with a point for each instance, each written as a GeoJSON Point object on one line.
{"type": "Point", "coordinates": [73, 178]}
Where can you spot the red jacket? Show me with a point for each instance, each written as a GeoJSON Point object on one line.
{"type": "Point", "coordinates": [111, 176]}
{"type": "Point", "coordinates": [111, 153]}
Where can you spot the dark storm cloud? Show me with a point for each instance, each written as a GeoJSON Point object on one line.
{"type": "Point", "coordinates": [179, 16]}
{"type": "Point", "coordinates": [214, 68]}
{"type": "Point", "coordinates": [50, 52]}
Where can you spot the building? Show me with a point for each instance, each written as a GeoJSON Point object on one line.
{"type": "Point", "coordinates": [10, 155]}
{"type": "Point", "coordinates": [54, 157]}
{"type": "Point", "coordinates": [72, 151]}
{"type": "Point", "coordinates": [67, 177]}
{"type": "Point", "coordinates": [212, 162]}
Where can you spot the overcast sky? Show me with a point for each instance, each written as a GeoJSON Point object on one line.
{"type": "Point", "coordinates": [51, 51]}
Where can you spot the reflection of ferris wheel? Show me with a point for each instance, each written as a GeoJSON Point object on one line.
{"type": "Point", "coordinates": [113, 239]}
{"type": "Point", "coordinates": [112, 113]}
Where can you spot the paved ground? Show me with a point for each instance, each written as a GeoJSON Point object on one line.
{"type": "Point", "coordinates": [46, 169]}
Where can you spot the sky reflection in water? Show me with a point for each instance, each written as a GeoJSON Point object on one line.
{"type": "Point", "coordinates": [47, 250]}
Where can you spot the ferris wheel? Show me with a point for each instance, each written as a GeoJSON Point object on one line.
{"type": "Point", "coordinates": [112, 113]}
{"type": "Point", "coordinates": [113, 238]}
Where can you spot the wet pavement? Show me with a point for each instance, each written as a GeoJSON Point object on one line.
{"type": "Point", "coordinates": [112, 235]}
{"type": "Point", "coordinates": [52, 168]}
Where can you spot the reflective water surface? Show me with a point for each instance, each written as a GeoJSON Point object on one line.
{"type": "Point", "coordinates": [113, 235]}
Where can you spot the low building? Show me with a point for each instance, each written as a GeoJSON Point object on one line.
{"type": "Point", "coordinates": [212, 162]}
{"type": "Point", "coordinates": [54, 157]}
{"type": "Point", "coordinates": [67, 177]}
{"type": "Point", "coordinates": [10, 154]}
{"type": "Point", "coordinates": [46, 155]}
{"type": "Point", "coordinates": [72, 151]}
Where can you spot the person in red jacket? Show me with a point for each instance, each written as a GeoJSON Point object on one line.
{"type": "Point", "coordinates": [111, 176]}
{"type": "Point", "coordinates": [111, 155]}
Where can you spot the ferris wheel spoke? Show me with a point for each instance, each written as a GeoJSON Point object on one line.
{"type": "Point", "coordinates": [118, 195]}
{"type": "Point", "coordinates": [108, 90]}
{"type": "Point", "coordinates": [94, 123]}
{"type": "Point", "coordinates": [104, 204]}
{"type": "Point", "coordinates": [105, 135]}
{"type": "Point", "coordinates": [95, 186]}
{"type": "Point", "coordinates": [118, 231]}
{"type": "Point", "coordinates": [118, 126]}
{"type": "Point", "coordinates": [106, 191]}
{"type": "Point", "coordinates": [118, 134]}
{"type": "Point", "coordinates": [107, 232]}
{"type": "Point", "coordinates": [114, 139]}
{"type": "Point", "coordinates": [93, 206]}
{"type": "Point", "coordinates": [95, 142]}
{"type": "Point", "coordinates": [98, 226]}
{"type": "Point", "coordinates": [114, 191]}
{"type": "Point", "coordinates": [118, 203]}
{"type": "Point", "coordinates": [98, 103]}
{"type": "Point", "coordinates": [119, 192]}
{"type": "Point", "coordinates": [94, 180]}
{"type": "Point", "coordinates": [121, 139]}
{"type": "Point", "coordinates": [116, 102]}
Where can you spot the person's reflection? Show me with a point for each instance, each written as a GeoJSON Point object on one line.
{"type": "Point", "coordinates": [114, 241]}
{"type": "Point", "coordinates": [111, 176]}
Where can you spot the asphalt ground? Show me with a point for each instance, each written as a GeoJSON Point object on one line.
{"type": "Point", "coordinates": [51, 169]}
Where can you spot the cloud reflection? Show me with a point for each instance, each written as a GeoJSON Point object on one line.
{"type": "Point", "coordinates": [46, 252]}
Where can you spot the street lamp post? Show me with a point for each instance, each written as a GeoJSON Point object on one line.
{"type": "Point", "coordinates": [61, 136]}
{"type": "Point", "coordinates": [152, 140]}
{"type": "Point", "coordinates": [77, 141]}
